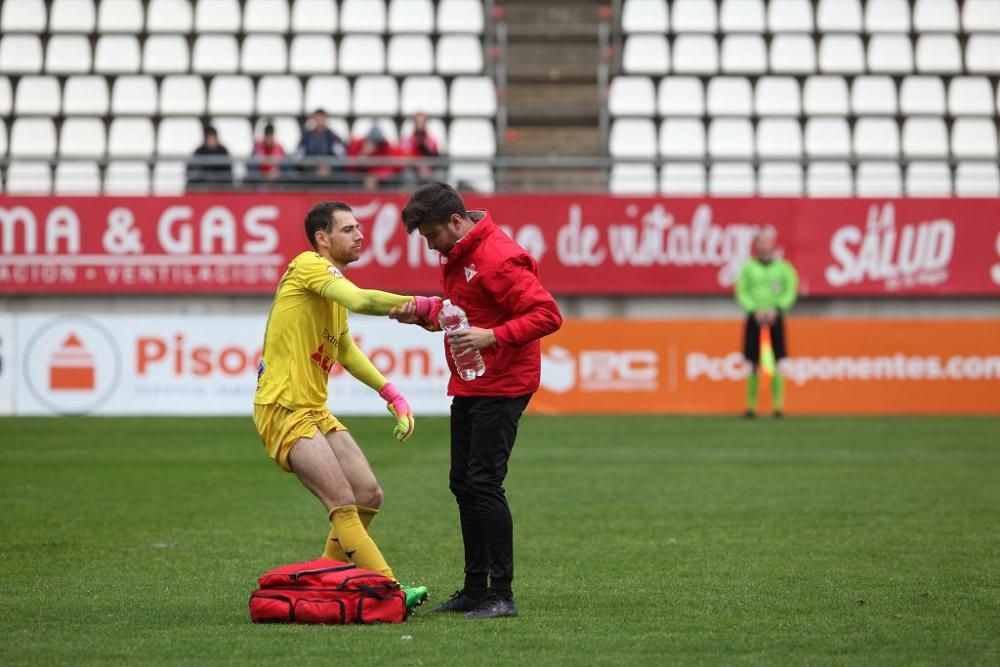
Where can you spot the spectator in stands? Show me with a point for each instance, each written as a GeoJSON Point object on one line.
{"type": "Point", "coordinates": [375, 145]}
{"type": "Point", "coordinates": [420, 144]}
{"type": "Point", "coordinates": [267, 155]}
{"type": "Point", "coordinates": [320, 141]}
{"type": "Point", "coordinates": [210, 166]}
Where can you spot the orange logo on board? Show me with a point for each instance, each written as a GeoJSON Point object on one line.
{"type": "Point", "coordinates": [72, 366]}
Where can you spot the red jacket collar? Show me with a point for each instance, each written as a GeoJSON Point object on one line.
{"type": "Point", "coordinates": [467, 243]}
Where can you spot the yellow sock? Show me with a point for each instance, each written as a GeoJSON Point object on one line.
{"type": "Point", "coordinates": [333, 549]}
{"type": "Point", "coordinates": [354, 540]}
{"type": "Point", "coordinates": [367, 515]}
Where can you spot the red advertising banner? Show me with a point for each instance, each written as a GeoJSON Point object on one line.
{"type": "Point", "coordinates": [586, 244]}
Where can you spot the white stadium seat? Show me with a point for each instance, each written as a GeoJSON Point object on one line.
{"type": "Point", "coordinates": [32, 137]}
{"type": "Point", "coordinates": [935, 16]}
{"type": "Point", "coordinates": [279, 95]}
{"type": "Point", "coordinates": [169, 16]}
{"type": "Point", "coordinates": [683, 178]}
{"type": "Point", "coordinates": [630, 137]}
{"type": "Point", "coordinates": [731, 180]}
{"type": "Point", "coordinates": [973, 137]}
{"type": "Point", "coordinates": [3, 137]}
{"type": "Point", "coordinates": [693, 16]}
{"type": "Point", "coordinates": [127, 177]}
{"type": "Point", "coordinates": [459, 54]}
{"type": "Point", "coordinates": [77, 178]}
{"type": "Point", "coordinates": [730, 137]}
{"type": "Point", "coordinates": [82, 137]}
{"type": "Point", "coordinates": [472, 137]}
{"type": "Point", "coordinates": [474, 96]}
{"type": "Point", "coordinates": [970, 95]}
{"type": "Point", "coordinates": [841, 54]}
{"type": "Point", "coordinates": [411, 16]}
{"type": "Point", "coordinates": [23, 16]}
{"type": "Point", "coordinates": [475, 175]}
{"type": "Point", "coordinates": [922, 95]}
{"type": "Point", "coordinates": [779, 179]}
{"type": "Point", "coordinates": [230, 94]}
{"type": "Point", "coordinates": [312, 54]}
{"type": "Point", "coordinates": [216, 54]}
{"type": "Point", "coordinates": [319, 16]}
{"type": "Point", "coordinates": [778, 96]}
{"type": "Point", "coordinates": [265, 16]}
{"type": "Point", "coordinates": [876, 137]}
{"type": "Point", "coordinates": [981, 15]}
{"type": "Point", "coordinates": [72, 16]}
{"type": "Point", "coordinates": [182, 94]}
{"type": "Point", "coordinates": [982, 54]}
{"type": "Point", "coordinates": [29, 178]}
{"type": "Point", "coordinates": [287, 132]}
{"type": "Point", "coordinates": [632, 96]}
{"type": "Point", "coordinates": [131, 137]}
{"type": "Point", "coordinates": [6, 99]}
{"type": "Point", "coordinates": [134, 95]}
{"type": "Point", "coordinates": [330, 93]}
{"type": "Point", "coordinates": [362, 54]}
{"type": "Point", "coordinates": [20, 54]}
{"type": "Point", "coordinates": [779, 138]}
{"type": "Point", "coordinates": [116, 54]}
{"type": "Point", "coordinates": [235, 134]}
{"type": "Point", "coordinates": [632, 179]}
{"type": "Point", "coordinates": [179, 136]}
{"type": "Point", "coordinates": [793, 54]}
{"type": "Point", "coordinates": [744, 54]}
{"type": "Point", "coordinates": [790, 16]}
{"type": "Point", "coordinates": [363, 124]}
{"type": "Point", "coordinates": [169, 177]}
{"type": "Point", "coordinates": [977, 179]}
{"type": "Point", "coordinates": [375, 96]}
{"type": "Point", "coordinates": [460, 16]}
{"type": "Point", "coordinates": [264, 54]}
{"type": "Point", "coordinates": [892, 54]}
{"type": "Point", "coordinates": [925, 138]}
{"type": "Point", "coordinates": [217, 16]}
{"type": "Point", "coordinates": [827, 137]}
{"type": "Point", "coordinates": [838, 16]}
{"type": "Point", "coordinates": [741, 16]}
{"type": "Point", "coordinates": [426, 94]}
{"type": "Point", "coordinates": [695, 54]}
{"type": "Point", "coordinates": [682, 138]}
{"type": "Point", "coordinates": [120, 16]}
{"type": "Point", "coordinates": [887, 16]}
{"type": "Point", "coordinates": [729, 96]}
{"type": "Point", "coordinates": [829, 179]}
{"type": "Point", "coordinates": [650, 16]}
{"type": "Point", "coordinates": [873, 95]}
{"type": "Point", "coordinates": [646, 54]}
{"type": "Point", "coordinates": [825, 94]}
{"type": "Point", "coordinates": [67, 54]}
{"type": "Point", "coordinates": [362, 16]}
{"type": "Point", "coordinates": [165, 54]}
{"type": "Point", "coordinates": [938, 54]}
{"type": "Point", "coordinates": [681, 96]}
{"type": "Point", "coordinates": [928, 179]}
{"type": "Point", "coordinates": [879, 179]}
{"type": "Point", "coordinates": [86, 95]}
{"type": "Point", "coordinates": [410, 54]}
{"type": "Point", "coordinates": [37, 95]}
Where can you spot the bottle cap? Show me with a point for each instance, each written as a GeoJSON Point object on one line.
{"type": "Point", "coordinates": [446, 302]}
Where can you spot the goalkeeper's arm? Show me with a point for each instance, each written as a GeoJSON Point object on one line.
{"type": "Point", "coordinates": [373, 301]}
{"type": "Point", "coordinates": [357, 364]}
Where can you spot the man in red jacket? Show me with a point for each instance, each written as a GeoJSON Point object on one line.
{"type": "Point", "coordinates": [496, 282]}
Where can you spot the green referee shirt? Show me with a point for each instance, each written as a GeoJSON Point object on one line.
{"type": "Point", "coordinates": [769, 285]}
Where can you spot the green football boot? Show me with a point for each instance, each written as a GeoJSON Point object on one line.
{"type": "Point", "coordinates": [415, 596]}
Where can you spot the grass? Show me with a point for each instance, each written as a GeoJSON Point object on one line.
{"type": "Point", "coordinates": [639, 540]}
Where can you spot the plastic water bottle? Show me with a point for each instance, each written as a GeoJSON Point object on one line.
{"type": "Point", "coordinates": [470, 363]}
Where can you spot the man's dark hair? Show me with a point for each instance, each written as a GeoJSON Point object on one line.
{"type": "Point", "coordinates": [320, 217]}
{"type": "Point", "coordinates": [210, 131]}
{"type": "Point", "coordinates": [433, 203]}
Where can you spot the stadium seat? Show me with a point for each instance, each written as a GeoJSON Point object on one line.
{"type": "Point", "coordinates": [977, 179]}
{"type": "Point", "coordinates": [827, 137]}
{"type": "Point", "coordinates": [3, 137]}
{"type": "Point", "coordinates": [459, 54]}
{"type": "Point", "coordinates": [828, 179]}
{"type": "Point", "coordinates": [878, 179]}
{"type": "Point", "coordinates": [32, 137]}
{"type": "Point", "coordinates": [790, 16]}
{"type": "Point", "coordinates": [873, 95]}
{"type": "Point", "coordinates": [82, 137]}
{"type": "Point", "coordinates": [331, 93]}
{"type": "Point", "coordinates": [23, 16]}
{"type": "Point", "coordinates": [730, 137]}
{"type": "Point", "coordinates": [779, 179]}
{"type": "Point", "coordinates": [127, 177]}
{"type": "Point", "coordinates": [134, 95]}
{"type": "Point", "coordinates": [363, 124]}
{"type": "Point", "coordinates": [67, 54]}
{"type": "Point", "coordinates": [230, 94]}
{"type": "Point", "coordinates": [120, 16]}
{"type": "Point", "coordinates": [426, 94]}
{"type": "Point", "coordinates": [312, 54]}
{"type": "Point", "coordinates": [779, 138]}
{"type": "Point", "coordinates": [728, 179]}
{"type": "Point", "coordinates": [77, 178]}
{"type": "Point", "coordinates": [215, 54]}
{"type": "Point", "coordinates": [182, 94]}
{"type": "Point", "coordinates": [925, 138]}
{"type": "Point", "coordinates": [681, 96]}
{"type": "Point", "coordinates": [29, 178]}
{"type": "Point", "coordinates": [411, 16]}
{"type": "Point", "coordinates": [970, 95]}
{"type": "Point", "coordinates": [362, 54]}
{"type": "Point", "coordinates": [130, 137]}
{"type": "Point", "coordinates": [165, 54]}
{"type": "Point", "coordinates": [825, 94]}
{"type": "Point", "coordinates": [777, 95]}
{"type": "Point", "coordinates": [887, 16]}
{"type": "Point", "coordinates": [632, 179]}
{"type": "Point", "coordinates": [729, 96]}
{"type": "Point", "coordinates": [435, 127]}
{"type": "Point", "coordinates": [793, 54]}
{"type": "Point", "coordinates": [841, 54]}
{"type": "Point", "coordinates": [974, 138]}
{"type": "Point", "coordinates": [20, 54]}
{"type": "Point", "coordinates": [475, 175]}
{"type": "Point", "coordinates": [362, 16]}
{"type": "Point", "coordinates": [741, 16]}
{"type": "Point", "coordinates": [37, 95]}
{"type": "Point", "coordinates": [235, 134]}
{"type": "Point", "coordinates": [410, 54]}
{"type": "Point", "coordinates": [264, 54]}
{"type": "Point", "coordinates": [921, 95]}
{"type": "Point", "coordinates": [682, 138]}
{"type": "Point", "coordinates": [116, 54]}
{"type": "Point", "coordinates": [645, 16]}
{"type": "Point", "coordinates": [217, 16]}
{"type": "Point", "coordinates": [375, 96]}
{"type": "Point", "coordinates": [178, 136]}
{"type": "Point", "coordinates": [891, 54]}
{"type": "Point", "coordinates": [86, 95]}
{"type": "Point", "coordinates": [938, 54]}
{"type": "Point", "coordinates": [169, 177]}
{"type": "Point", "coordinates": [72, 16]}
{"type": "Point", "coordinates": [982, 54]}
{"type": "Point", "coordinates": [744, 54]}
{"type": "Point", "coordinates": [928, 179]}
{"type": "Point", "coordinates": [168, 16]}
{"type": "Point", "coordinates": [317, 16]}
{"type": "Point", "coordinates": [279, 95]}
{"type": "Point", "coordinates": [876, 138]}
{"type": "Point", "coordinates": [981, 15]}
{"type": "Point", "coordinates": [935, 16]}
{"type": "Point", "coordinates": [6, 98]}
{"type": "Point", "coordinates": [630, 137]}
{"type": "Point", "coordinates": [683, 178]}
{"type": "Point", "coordinates": [477, 96]}
{"type": "Point", "coordinates": [695, 54]}
{"type": "Point", "coordinates": [838, 16]}
{"type": "Point", "coordinates": [693, 16]}
{"type": "Point", "coordinates": [464, 16]}
{"type": "Point", "coordinates": [265, 16]}
{"type": "Point", "coordinates": [646, 54]}
{"type": "Point", "coordinates": [632, 96]}
{"type": "Point", "coordinates": [287, 132]}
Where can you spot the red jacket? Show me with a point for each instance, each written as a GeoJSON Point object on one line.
{"type": "Point", "coordinates": [496, 282]}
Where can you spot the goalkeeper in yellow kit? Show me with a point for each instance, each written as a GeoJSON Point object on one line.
{"type": "Point", "coordinates": [306, 334]}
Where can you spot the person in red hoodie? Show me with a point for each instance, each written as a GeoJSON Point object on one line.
{"type": "Point", "coordinates": [496, 282]}
{"type": "Point", "coordinates": [375, 145]}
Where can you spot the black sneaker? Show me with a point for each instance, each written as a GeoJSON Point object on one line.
{"type": "Point", "coordinates": [493, 607]}
{"type": "Point", "coordinates": [460, 602]}
{"type": "Point", "coordinates": [749, 414]}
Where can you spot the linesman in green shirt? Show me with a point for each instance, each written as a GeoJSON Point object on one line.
{"type": "Point", "coordinates": [766, 288]}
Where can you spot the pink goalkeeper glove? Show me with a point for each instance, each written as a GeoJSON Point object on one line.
{"type": "Point", "coordinates": [428, 307]}
{"type": "Point", "coordinates": [399, 409]}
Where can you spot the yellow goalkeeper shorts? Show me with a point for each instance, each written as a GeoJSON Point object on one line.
{"type": "Point", "coordinates": [280, 428]}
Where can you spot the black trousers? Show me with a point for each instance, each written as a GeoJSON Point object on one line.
{"type": "Point", "coordinates": [751, 338]}
{"type": "Point", "coordinates": [482, 437]}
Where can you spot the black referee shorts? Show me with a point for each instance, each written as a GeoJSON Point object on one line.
{"type": "Point", "coordinates": [751, 338]}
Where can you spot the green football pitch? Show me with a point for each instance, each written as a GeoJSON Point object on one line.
{"type": "Point", "coordinates": [642, 540]}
